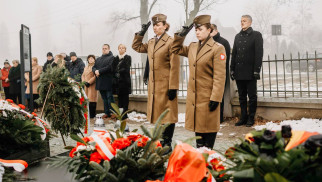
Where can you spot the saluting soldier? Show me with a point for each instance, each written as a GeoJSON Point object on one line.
{"type": "Point", "coordinates": [163, 81]}
{"type": "Point", "coordinates": [207, 73]}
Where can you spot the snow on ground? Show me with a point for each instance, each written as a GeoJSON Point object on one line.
{"type": "Point", "coordinates": [138, 117]}
{"type": "Point", "coordinates": [305, 124]}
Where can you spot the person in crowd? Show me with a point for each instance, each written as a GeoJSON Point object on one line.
{"type": "Point", "coordinates": [218, 38]}
{"type": "Point", "coordinates": [163, 81]}
{"type": "Point", "coordinates": [5, 81]}
{"type": "Point", "coordinates": [76, 68]}
{"type": "Point", "coordinates": [14, 78]}
{"type": "Point", "coordinates": [49, 61]}
{"type": "Point", "coordinates": [103, 70]}
{"type": "Point", "coordinates": [123, 62]}
{"type": "Point", "coordinates": [36, 71]}
{"type": "Point", "coordinates": [207, 65]}
{"type": "Point", "coordinates": [58, 61]}
{"type": "Point", "coordinates": [67, 61]}
{"type": "Point", "coordinates": [89, 78]}
{"type": "Point", "coordinates": [246, 63]}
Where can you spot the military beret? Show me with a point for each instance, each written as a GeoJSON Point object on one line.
{"type": "Point", "coordinates": [158, 18]}
{"type": "Point", "coordinates": [201, 20]}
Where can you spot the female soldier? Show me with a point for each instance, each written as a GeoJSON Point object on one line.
{"type": "Point", "coordinates": [207, 62]}
{"type": "Point", "coordinates": [163, 75]}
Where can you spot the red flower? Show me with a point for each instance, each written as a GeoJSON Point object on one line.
{"type": "Point", "coordinates": [86, 139]}
{"type": "Point", "coordinates": [214, 162]}
{"type": "Point", "coordinates": [223, 174]}
{"type": "Point", "coordinates": [219, 167]}
{"type": "Point", "coordinates": [134, 138]}
{"type": "Point", "coordinates": [9, 100]}
{"type": "Point", "coordinates": [96, 157]}
{"type": "Point", "coordinates": [82, 99]}
{"type": "Point", "coordinates": [230, 152]}
{"type": "Point", "coordinates": [158, 144]}
{"type": "Point", "coordinates": [71, 153]}
{"type": "Point", "coordinates": [121, 143]}
{"type": "Point", "coordinates": [22, 106]}
{"type": "Point", "coordinates": [108, 139]}
{"type": "Point", "coordinates": [142, 141]}
{"type": "Point", "coordinates": [33, 113]}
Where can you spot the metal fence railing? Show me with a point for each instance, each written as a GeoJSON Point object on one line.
{"type": "Point", "coordinates": [298, 76]}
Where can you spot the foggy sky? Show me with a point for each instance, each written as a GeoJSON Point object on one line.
{"type": "Point", "coordinates": [55, 24]}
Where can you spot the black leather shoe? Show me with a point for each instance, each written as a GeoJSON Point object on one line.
{"type": "Point", "coordinates": [250, 123]}
{"type": "Point", "coordinates": [240, 123]}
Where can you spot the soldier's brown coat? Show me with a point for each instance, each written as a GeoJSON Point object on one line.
{"type": "Point", "coordinates": [207, 73]}
{"type": "Point", "coordinates": [163, 75]}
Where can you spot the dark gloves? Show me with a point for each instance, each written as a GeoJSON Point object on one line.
{"type": "Point", "coordinates": [144, 28]}
{"type": "Point", "coordinates": [213, 105]}
{"type": "Point", "coordinates": [257, 76]}
{"type": "Point", "coordinates": [232, 75]}
{"type": "Point", "coordinates": [145, 80]}
{"type": "Point", "coordinates": [172, 93]}
{"type": "Point", "coordinates": [185, 30]}
{"type": "Point", "coordinates": [87, 84]}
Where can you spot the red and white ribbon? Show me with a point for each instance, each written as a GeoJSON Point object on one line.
{"type": "Point", "coordinates": [103, 147]}
{"type": "Point", "coordinates": [18, 165]}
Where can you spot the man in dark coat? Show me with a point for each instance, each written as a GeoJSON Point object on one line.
{"type": "Point", "coordinates": [216, 36]}
{"type": "Point", "coordinates": [103, 70]}
{"type": "Point", "coordinates": [49, 61]}
{"type": "Point", "coordinates": [246, 63]}
{"type": "Point", "coordinates": [76, 67]}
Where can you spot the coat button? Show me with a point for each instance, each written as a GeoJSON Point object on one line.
{"type": "Point", "coordinates": [193, 78]}
{"type": "Point", "coordinates": [194, 65]}
{"type": "Point", "coordinates": [193, 104]}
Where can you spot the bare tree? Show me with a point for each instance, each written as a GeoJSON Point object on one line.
{"type": "Point", "coordinates": [144, 14]}
{"type": "Point", "coordinates": [193, 7]}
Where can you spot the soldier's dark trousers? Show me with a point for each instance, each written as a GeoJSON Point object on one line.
{"type": "Point", "coordinates": [207, 140]}
{"type": "Point", "coordinates": [167, 135]}
{"type": "Point", "coordinates": [92, 109]}
{"type": "Point", "coordinates": [222, 104]}
{"type": "Point", "coordinates": [247, 88]}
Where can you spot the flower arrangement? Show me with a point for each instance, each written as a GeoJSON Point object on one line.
{"type": "Point", "coordinates": [64, 103]}
{"type": "Point", "coordinates": [116, 157]}
{"type": "Point", "coordinates": [190, 164]}
{"type": "Point", "coordinates": [20, 130]}
{"type": "Point", "coordinates": [277, 156]}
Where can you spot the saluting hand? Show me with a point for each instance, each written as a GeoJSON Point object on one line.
{"type": "Point", "coordinates": [144, 28]}
{"type": "Point", "coordinates": [185, 30]}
